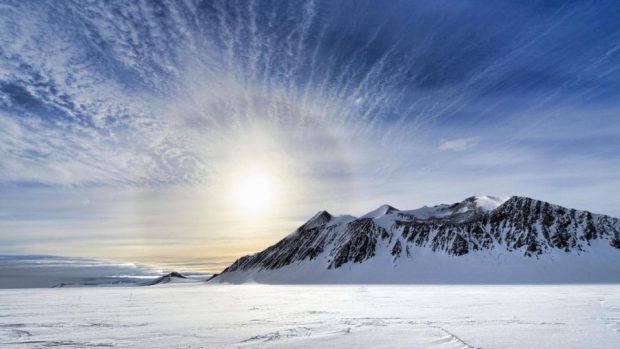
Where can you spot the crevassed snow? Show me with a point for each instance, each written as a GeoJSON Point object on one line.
{"type": "Point", "coordinates": [261, 316]}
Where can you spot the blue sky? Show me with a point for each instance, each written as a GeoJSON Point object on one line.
{"type": "Point", "coordinates": [125, 127]}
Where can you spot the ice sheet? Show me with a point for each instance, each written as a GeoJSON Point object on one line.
{"type": "Point", "coordinates": [264, 316]}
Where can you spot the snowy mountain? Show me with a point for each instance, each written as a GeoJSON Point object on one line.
{"type": "Point", "coordinates": [169, 278]}
{"type": "Point", "coordinates": [479, 240]}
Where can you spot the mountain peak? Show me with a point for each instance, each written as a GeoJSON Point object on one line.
{"type": "Point", "coordinates": [320, 218]}
{"type": "Point", "coordinates": [167, 278]}
{"type": "Point", "coordinates": [380, 211]}
{"type": "Point", "coordinates": [487, 202]}
{"type": "Point", "coordinates": [519, 200]}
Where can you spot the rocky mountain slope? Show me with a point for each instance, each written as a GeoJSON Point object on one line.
{"type": "Point", "coordinates": [481, 239]}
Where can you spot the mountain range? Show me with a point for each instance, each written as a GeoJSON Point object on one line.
{"type": "Point", "coordinates": [478, 240]}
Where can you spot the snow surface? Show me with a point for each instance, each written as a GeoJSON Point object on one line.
{"type": "Point", "coordinates": [600, 265]}
{"type": "Point", "coordinates": [488, 202]}
{"type": "Point", "coordinates": [485, 203]}
{"type": "Point", "coordinates": [380, 212]}
{"type": "Point", "coordinates": [267, 316]}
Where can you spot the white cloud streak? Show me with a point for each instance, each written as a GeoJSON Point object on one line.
{"type": "Point", "coordinates": [147, 110]}
{"type": "Point", "coordinates": [457, 144]}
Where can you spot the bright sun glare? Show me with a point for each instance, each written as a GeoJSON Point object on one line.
{"type": "Point", "coordinates": [255, 192]}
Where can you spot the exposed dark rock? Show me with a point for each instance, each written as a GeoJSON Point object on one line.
{"type": "Point", "coordinates": [358, 242]}
{"type": "Point", "coordinates": [615, 242]}
{"type": "Point", "coordinates": [397, 249]}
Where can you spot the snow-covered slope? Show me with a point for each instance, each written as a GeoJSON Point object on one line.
{"type": "Point", "coordinates": [479, 240]}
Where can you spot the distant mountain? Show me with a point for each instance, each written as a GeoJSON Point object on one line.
{"type": "Point", "coordinates": [166, 279]}
{"type": "Point", "coordinates": [170, 278]}
{"type": "Point", "coordinates": [478, 240]}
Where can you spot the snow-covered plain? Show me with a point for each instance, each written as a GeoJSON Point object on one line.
{"type": "Point", "coordinates": [347, 316]}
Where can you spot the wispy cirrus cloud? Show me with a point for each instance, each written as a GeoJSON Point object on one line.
{"type": "Point", "coordinates": [146, 110]}
{"type": "Point", "coordinates": [457, 144]}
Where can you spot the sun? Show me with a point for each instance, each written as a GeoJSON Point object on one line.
{"type": "Point", "coordinates": [255, 192]}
